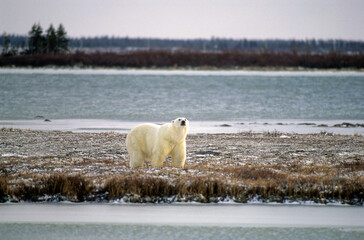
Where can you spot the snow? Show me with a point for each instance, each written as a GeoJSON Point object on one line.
{"type": "Point", "coordinates": [184, 72]}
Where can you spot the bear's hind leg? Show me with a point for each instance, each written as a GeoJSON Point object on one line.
{"type": "Point", "coordinates": [136, 160]}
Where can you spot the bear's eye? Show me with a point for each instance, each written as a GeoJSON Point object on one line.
{"type": "Point", "coordinates": [179, 119]}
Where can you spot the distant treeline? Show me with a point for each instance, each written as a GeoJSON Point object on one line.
{"type": "Point", "coordinates": [51, 41]}
{"type": "Point", "coordinates": [168, 58]}
{"type": "Point", "coordinates": [118, 44]}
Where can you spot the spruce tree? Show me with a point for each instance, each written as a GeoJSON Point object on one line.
{"type": "Point", "coordinates": [62, 40]}
{"type": "Point", "coordinates": [37, 43]}
{"type": "Point", "coordinates": [51, 40]}
{"type": "Point", "coordinates": [6, 45]}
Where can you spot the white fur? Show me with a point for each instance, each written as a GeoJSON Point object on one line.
{"type": "Point", "coordinates": [151, 142]}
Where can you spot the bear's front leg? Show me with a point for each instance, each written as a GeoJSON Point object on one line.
{"type": "Point", "coordinates": [179, 155]}
{"type": "Point", "coordinates": [158, 156]}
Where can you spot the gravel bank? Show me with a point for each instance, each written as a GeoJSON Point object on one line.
{"type": "Point", "coordinates": [265, 166]}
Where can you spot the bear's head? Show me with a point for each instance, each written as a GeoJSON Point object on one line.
{"type": "Point", "coordinates": [181, 122]}
{"type": "Point", "coordinates": [180, 128]}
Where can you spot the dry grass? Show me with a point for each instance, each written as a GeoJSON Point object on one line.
{"type": "Point", "coordinates": [56, 187]}
{"type": "Point", "coordinates": [4, 189]}
{"type": "Point", "coordinates": [261, 184]}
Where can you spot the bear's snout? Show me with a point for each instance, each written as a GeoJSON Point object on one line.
{"type": "Point", "coordinates": [183, 123]}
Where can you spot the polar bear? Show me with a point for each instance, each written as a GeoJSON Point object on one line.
{"type": "Point", "coordinates": [154, 143]}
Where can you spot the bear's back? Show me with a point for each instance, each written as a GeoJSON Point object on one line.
{"type": "Point", "coordinates": [143, 137]}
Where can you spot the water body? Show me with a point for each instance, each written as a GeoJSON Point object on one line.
{"type": "Point", "coordinates": [200, 221]}
{"type": "Point", "coordinates": [216, 101]}
{"type": "Point", "coordinates": [133, 96]}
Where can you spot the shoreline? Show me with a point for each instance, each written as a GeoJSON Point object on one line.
{"type": "Point", "coordinates": [343, 127]}
{"type": "Point", "coordinates": [179, 70]}
{"type": "Point", "coordinates": [243, 167]}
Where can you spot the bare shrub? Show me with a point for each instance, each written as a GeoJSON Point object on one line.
{"type": "Point", "coordinates": [188, 58]}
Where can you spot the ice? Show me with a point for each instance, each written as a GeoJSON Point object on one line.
{"type": "Point", "coordinates": [280, 127]}
{"type": "Point", "coordinates": [232, 215]}
{"type": "Point", "coordinates": [184, 72]}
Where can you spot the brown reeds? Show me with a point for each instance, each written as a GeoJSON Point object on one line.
{"type": "Point", "coordinates": [257, 184]}
{"type": "Point", "coordinates": [156, 189]}
{"type": "Point", "coordinates": [4, 189]}
{"type": "Point", "coordinates": [138, 187]}
{"type": "Point", "coordinates": [74, 186]}
{"type": "Point", "coordinates": [170, 59]}
{"type": "Point", "coordinates": [55, 187]}
{"type": "Point", "coordinates": [202, 189]}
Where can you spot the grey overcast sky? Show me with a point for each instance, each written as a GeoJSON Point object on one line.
{"type": "Point", "coordinates": [185, 19]}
